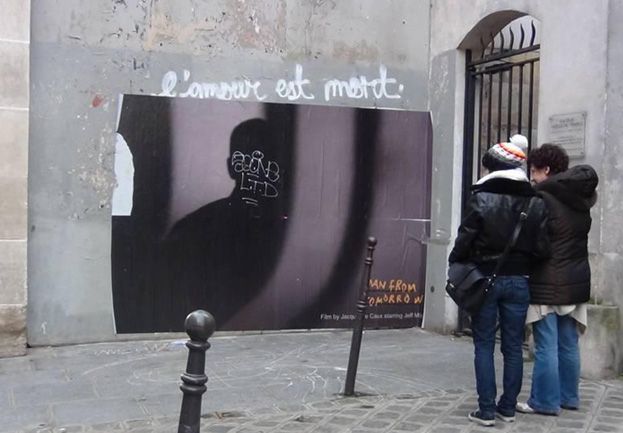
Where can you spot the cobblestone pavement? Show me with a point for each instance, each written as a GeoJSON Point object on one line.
{"type": "Point", "coordinates": [412, 380]}
{"type": "Point", "coordinates": [434, 412]}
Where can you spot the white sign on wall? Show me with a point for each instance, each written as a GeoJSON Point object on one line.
{"type": "Point", "coordinates": [569, 131]}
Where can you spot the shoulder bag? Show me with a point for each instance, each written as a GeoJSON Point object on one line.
{"type": "Point", "coordinates": [467, 285]}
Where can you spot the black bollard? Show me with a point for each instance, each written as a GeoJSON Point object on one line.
{"type": "Point", "coordinates": [199, 326]}
{"type": "Point", "coordinates": [362, 304]}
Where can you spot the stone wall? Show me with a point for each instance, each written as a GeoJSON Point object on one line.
{"type": "Point", "coordinates": [85, 53]}
{"type": "Point", "coordinates": [14, 109]}
{"type": "Point", "coordinates": [579, 72]}
{"type": "Point", "coordinates": [609, 272]}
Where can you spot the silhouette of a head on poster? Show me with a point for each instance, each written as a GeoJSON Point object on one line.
{"type": "Point", "coordinates": [220, 255]}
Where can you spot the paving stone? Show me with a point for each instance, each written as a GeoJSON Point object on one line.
{"type": "Point", "coordinates": [455, 391]}
{"type": "Point", "coordinates": [294, 427]}
{"type": "Point", "coordinates": [522, 428]}
{"type": "Point", "coordinates": [220, 428]}
{"type": "Point", "coordinates": [430, 410]}
{"type": "Point", "coordinates": [606, 428]}
{"type": "Point", "coordinates": [376, 423]}
{"type": "Point", "coordinates": [292, 408]}
{"type": "Point", "coordinates": [445, 430]}
{"type": "Point", "coordinates": [436, 403]}
{"type": "Point", "coordinates": [454, 420]}
{"type": "Point", "coordinates": [70, 429]}
{"type": "Point", "coordinates": [419, 418]}
{"type": "Point", "coordinates": [388, 415]}
{"type": "Point", "coordinates": [611, 412]}
{"type": "Point", "coordinates": [570, 424]}
{"type": "Point", "coordinates": [564, 430]}
{"type": "Point", "coordinates": [354, 412]}
{"type": "Point", "coordinates": [398, 408]}
{"type": "Point", "coordinates": [141, 423]}
{"type": "Point", "coordinates": [407, 426]}
{"type": "Point", "coordinates": [407, 397]}
{"type": "Point", "coordinates": [265, 411]}
{"type": "Point", "coordinates": [342, 420]}
{"type": "Point", "coordinates": [108, 427]}
{"type": "Point", "coordinates": [574, 415]}
{"type": "Point", "coordinates": [323, 405]}
{"type": "Point", "coordinates": [308, 419]}
{"type": "Point", "coordinates": [451, 398]}
{"type": "Point", "coordinates": [266, 423]}
{"type": "Point", "coordinates": [96, 411]}
{"type": "Point", "coordinates": [326, 429]}
{"type": "Point", "coordinates": [608, 420]}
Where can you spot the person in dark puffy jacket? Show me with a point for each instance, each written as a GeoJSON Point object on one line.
{"type": "Point", "coordinates": [489, 220]}
{"type": "Point", "coordinates": [560, 286]}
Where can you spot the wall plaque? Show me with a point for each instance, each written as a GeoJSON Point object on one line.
{"type": "Point", "coordinates": [569, 131]}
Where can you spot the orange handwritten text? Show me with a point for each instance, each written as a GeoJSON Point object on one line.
{"type": "Point", "coordinates": [392, 298]}
{"type": "Point", "coordinates": [392, 285]}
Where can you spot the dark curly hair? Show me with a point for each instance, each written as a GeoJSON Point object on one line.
{"type": "Point", "coordinates": [549, 155]}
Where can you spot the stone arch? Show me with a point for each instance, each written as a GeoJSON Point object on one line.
{"type": "Point", "coordinates": [491, 24]}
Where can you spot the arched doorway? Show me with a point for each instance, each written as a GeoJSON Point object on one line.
{"type": "Point", "coordinates": [501, 91]}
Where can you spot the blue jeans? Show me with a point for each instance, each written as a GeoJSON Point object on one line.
{"type": "Point", "coordinates": [556, 373]}
{"type": "Point", "coordinates": [509, 298]}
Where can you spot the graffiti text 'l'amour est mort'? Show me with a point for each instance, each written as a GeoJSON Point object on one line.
{"type": "Point", "coordinates": [300, 88]}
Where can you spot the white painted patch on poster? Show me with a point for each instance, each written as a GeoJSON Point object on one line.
{"type": "Point", "coordinates": [124, 176]}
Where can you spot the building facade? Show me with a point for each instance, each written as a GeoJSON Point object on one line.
{"type": "Point", "coordinates": [65, 69]}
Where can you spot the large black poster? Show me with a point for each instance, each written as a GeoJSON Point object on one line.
{"type": "Point", "coordinates": [259, 213]}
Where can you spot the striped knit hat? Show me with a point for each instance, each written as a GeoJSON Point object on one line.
{"type": "Point", "coordinates": [504, 156]}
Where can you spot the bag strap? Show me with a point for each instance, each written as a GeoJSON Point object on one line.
{"type": "Point", "coordinates": [513, 240]}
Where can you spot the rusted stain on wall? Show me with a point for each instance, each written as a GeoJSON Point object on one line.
{"type": "Point", "coordinates": [252, 25]}
{"type": "Point", "coordinates": [360, 51]}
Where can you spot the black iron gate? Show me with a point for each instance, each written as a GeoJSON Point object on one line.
{"type": "Point", "coordinates": [501, 92]}
{"type": "Point", "coordinates": [501, 97]}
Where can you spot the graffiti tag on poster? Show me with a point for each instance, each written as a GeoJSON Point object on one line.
{"type": "Point", "coordinates": [381, 86]}
{"type": "Point", "coordinates": [258, 176]}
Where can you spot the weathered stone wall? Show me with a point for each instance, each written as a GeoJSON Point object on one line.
{"type": "Point", "coordinates": [579, 72]}
{"type": "Point", "coordinates": [87, 52]}
{"type": "Point", "coordinates": [609, 272]}
{"type": "Point", "coordinates": [14, 107]}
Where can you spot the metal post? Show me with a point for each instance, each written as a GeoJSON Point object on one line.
{"type": "Point", "coordinates": [362, 304]}
{"type": "Point", "coordinates": [199, 326]}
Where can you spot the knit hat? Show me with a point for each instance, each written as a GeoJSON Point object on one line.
{"type": "Point", "coordinates": [521, 141]}
{"type": "Point", "coordinates": [504, 156]}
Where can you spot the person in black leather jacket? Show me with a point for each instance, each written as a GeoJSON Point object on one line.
{"type": "Point", "coordinates": [489, 221]}
{"type": "Point", "coordinates": [561, 285]}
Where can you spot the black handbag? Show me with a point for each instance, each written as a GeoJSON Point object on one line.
{"type": "Point", "coordinates": [467, 285]}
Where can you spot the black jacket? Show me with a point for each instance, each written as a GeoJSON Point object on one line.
{"type": "Point", "coordinates": [565, 278]}
{"type": "Point", "coordinates": [489, 221]}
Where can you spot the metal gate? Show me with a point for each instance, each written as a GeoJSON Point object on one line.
{"type": "Point", "coordinates": [501, 97]}
{"type": "Point", "coordinates": [501, 93]}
